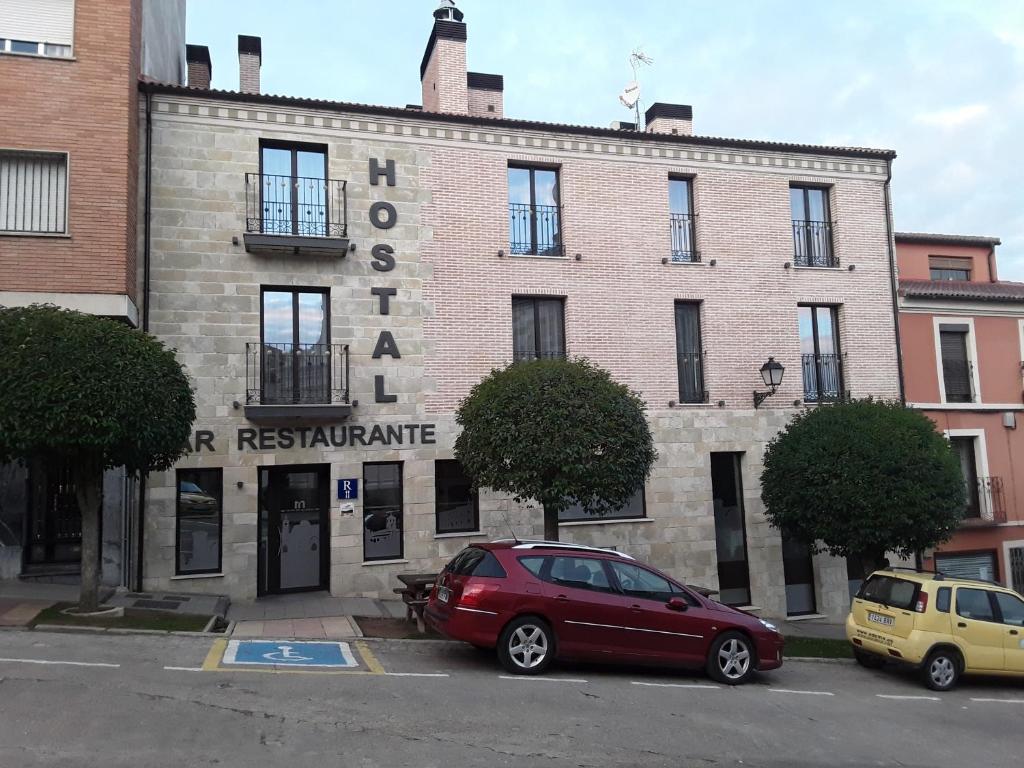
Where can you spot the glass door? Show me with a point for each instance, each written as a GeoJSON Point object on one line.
{"type": "Point", "coordinates": [293, 189]}
{"type": "Point", "coordinates": [294, 533]}
{"type": "Point", "coordinates": [730, 529]}
{"type": "Point", "coordinates": [798, 565]}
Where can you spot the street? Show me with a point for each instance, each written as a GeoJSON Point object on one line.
{"type": "Point", "coordinates": [136, 700]}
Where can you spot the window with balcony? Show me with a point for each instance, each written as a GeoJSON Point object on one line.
{"type": "Point", "coordinates": [689, 354]}
{"type": "Point", "coordinates": [535, 224]}
{"type": "Point", "coordinates": [538, 328]}
{"type": "Point", "coordinates": [820, 356]}
{"type": "Point", "coordinates": [964, 448]}
{"type": "Point", "coordinates": [957, 367]}
{"type": "Point", "coordinates": [812, 227]}
{"type": "Point", "coordinates": [37, 27]}
{"type": "Point", "coordinates": [947, 268]}
{"type": "Point", "coordinates": [33, 193]}
{"type": "Point", "coordinates": [681, 221]}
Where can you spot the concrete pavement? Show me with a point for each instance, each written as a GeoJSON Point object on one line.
{"type": "Point", "coordinates": [420, 703]}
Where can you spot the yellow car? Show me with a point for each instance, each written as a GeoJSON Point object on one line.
{"type": "Point", "coordinates": [942, 625]}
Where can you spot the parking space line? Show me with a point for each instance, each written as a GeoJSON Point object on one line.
{"type": "Point", "coordinates": [415, 674]}
{"type": "Point", "coordinates": [216, 653]}
{"type": "Point", "coordinates": [184, 669]}
{"type": "Point", "coordinates": [677, 685]}
{"type": "Point", "coordinates": [371, 661]}
{"type": "Point", "coordinates": [543, 679]}
{"type": "Point", "coordinates": [907, 698]}
{"type": "Point", "coordinates": [66, 663]}
{"type": "Point", "coordinates": [803, 693]}
{"type": "Point", "coordinates": [999, 701]}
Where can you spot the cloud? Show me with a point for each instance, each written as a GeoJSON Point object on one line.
{"type": "Point", "coordinates": [953, 117]}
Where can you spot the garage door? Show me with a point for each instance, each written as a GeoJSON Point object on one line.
{"type": "Point", "coordinates": [973, 566]}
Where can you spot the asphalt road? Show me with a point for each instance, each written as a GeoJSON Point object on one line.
{"type": "Point", "coordinates": [84, 700]}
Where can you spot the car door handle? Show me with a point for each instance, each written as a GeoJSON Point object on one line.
{"type": "Point", "coordinates": [962, 625]}
{"type": "Point", "coordinates": [1013, 631]}
{"type": "Point", "coordinates": [635, 608]}
{"type": "Point", "coordinates": [562, 598]}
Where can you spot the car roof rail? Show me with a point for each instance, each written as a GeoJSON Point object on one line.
{"type": "Point", "coordinates": [540, 544]}
{"type": "Point", "coordinates": [939, 575]}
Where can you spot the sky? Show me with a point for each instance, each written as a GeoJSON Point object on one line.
{"type": "Point", "coordinates": [941, 82]}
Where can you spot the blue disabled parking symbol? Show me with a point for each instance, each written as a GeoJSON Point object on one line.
{"type": "Point", "coordinates": [289, 653]}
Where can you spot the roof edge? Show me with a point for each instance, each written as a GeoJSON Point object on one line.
{"type": "Point", "coordinates": [928, 237]}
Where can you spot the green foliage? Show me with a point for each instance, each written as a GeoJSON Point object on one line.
{"type": "Point", "coordinates": [863, 477]}
{"type": "Point", "coordinates": [558, 431]}
{"type": "Point", "coordinates": [80, 386]}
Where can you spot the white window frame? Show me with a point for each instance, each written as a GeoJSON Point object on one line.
{"type": "Point", "coordinates": [987, 511]}
{"type": "Point", "coordinates": [5, 48]}
{"type": "Point", "coordinates": [972, 356]}
{"type": "Point", "coordinates": [1005, 570]}
{"type": "Point", "coordinates": [67, 192]}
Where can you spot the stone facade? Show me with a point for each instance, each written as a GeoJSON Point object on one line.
{"type": "Point", "coordinates": [451, 314]}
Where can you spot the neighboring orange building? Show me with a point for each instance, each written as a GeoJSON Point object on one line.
{"type": "Point", "coordinates": [962, 335]}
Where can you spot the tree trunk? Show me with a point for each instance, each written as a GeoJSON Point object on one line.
{"type": "Point", "coordinates": [88, 492]}
{"type": "Point", "coordinates": [550, 525]}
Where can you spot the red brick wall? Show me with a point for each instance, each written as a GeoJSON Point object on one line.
{"type": "Point", "coordinates": [88, 108]}
{"type": "Point", "coordinates": [912, 259]}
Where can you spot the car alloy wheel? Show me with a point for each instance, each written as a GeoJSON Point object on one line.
{"type": "Point", "coordinates": [528, 646]}
{"type": "Point", "coordinates": [941, 671]}
{"type": "Point", "coordinates": [731, 660]}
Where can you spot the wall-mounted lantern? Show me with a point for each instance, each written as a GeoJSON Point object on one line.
{"type": "Point", "coordinates": [771, 373]}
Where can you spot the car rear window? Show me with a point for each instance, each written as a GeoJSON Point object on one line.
{"type": "Point", "coordinates": [890, 591]}
{"type": "Point", "coordinates": [473, 561]}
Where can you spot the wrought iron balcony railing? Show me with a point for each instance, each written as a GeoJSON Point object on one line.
{"type": "Point", "coordinates": [691, 377]}
{"type": "Point", "coordinates": [525, 355]}
{"type": "Point", "coordinates": [958, 377]}
{"type": "Point", "coordinates": [535, 230]}
{"type": "Point", "coordinates": [986, 503]}
{"type": "Point", "coordinates": [684, 237]}
{"type": "Point", "coordinates": [823, 378]}
{"type": "Point", "coordinates": [295, 205]}
{"type": "Point", "coordinates": [296, 374]}
{"type": "Point", "coordinates": [812, 244]}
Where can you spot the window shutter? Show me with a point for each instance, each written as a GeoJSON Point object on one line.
{"type": "Point", "coordinates": [38, 21]}
{"type": "Point", "coordinates": [981, 566]}
{"type": "Point", "coordinates": [33, 192]}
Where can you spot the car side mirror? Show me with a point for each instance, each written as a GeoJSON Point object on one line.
{"type": "Point", "coordinates": [676, 604]}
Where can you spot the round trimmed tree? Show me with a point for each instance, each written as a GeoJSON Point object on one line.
{"type": "Point", "coordinates": [863, 478]}
{"type": "Point", "coordinates": [561, 432]}
{"type": "Point", "coordinates": [93, 393]}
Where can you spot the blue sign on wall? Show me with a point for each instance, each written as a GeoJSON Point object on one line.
{"type": "Point", "coordinates": [289, 653]}
{"type": "Point", "coordinates": [348, 489]}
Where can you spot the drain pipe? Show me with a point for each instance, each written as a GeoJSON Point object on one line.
{"type": "Point", "coordinates": [893, 283]}
{"type": "Point", "coordinates": [140, 533]}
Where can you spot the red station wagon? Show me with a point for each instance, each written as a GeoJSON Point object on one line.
{"type": "Point", "coordinates": [537, 601]}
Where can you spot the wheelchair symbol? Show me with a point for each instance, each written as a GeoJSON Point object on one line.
{"type": "Point", "coordinates": [285, 653]}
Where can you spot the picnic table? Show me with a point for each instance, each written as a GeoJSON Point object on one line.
{"type": "Point", "coordinates": [415, 592]}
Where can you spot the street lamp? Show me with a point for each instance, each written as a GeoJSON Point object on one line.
{"type": "Point", "coordinates": [771, 373]}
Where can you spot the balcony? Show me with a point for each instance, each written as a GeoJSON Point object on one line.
{"type": "Point", "coordinates": [986, 504]}
{"type": "Point", "coordinates": [288, 382]}
{"type": "Point", "coordinates": [684, 238]}
{"type": "Point", "coordinates": [823, 378]}
{"type": "Point", "coordinates": [691, 377]}
{"type": "Point", "coordinates": [295, 214]}
{"type": "Point", "coordinates": [957, 378]}
{"type": "Point", "coordinates": [812, 244]}
{"type": "Point", "coordinates": [535, 230]}
{"type": "Point", "coordinates": [526, 355]}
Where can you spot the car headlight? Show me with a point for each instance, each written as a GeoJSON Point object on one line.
{"type": "Point", "coordinates": [768, 625]}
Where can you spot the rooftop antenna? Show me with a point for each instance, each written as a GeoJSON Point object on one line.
{"type": "Point", "coordinates": [504, 514]}
{"type": "Point", "coordinates": [630, 96]}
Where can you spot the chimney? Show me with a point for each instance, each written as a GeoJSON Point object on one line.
{"type": "Point", "coordinates": [443, 69]}
{"type": "Point", "coordinates": [484, 94]}
{"type": "Point", "coordinates": [670, 118]}
{"type": "Point", "coordinates": [200, 71]}
{"type": "Point", "coordinates": [250, 56]}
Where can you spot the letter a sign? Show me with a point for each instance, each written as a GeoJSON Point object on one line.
{"type": "Point", "coordinates": [348, 489]}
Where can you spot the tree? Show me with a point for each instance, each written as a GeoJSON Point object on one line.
{"type": "Point", "coordinates": [96, 394]}
{"type": "Point", "coordinates": [863, 477]}
{"type": "Point", "coordinates": [558, 431]}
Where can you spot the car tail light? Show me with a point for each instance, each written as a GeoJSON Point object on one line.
{"type": "Point", "coordinates": [475, 594]}
{"type": "Point", "coordinates": [922, 602]}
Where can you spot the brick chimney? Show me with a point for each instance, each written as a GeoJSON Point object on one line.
{"type": "Point", "coordinates": [250, 56]}
{"type": "Point", "coordinates": [670, 118]}
{"type": "Point", "coordinates": [200, 70]}
{"type": "Point", "coordinates": [443, 69]}
{"type": "Point", "coordinates": [484, 94]}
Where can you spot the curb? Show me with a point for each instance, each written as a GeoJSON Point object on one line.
{"type": "Point", "coordinates": [84, 629]}
{"type": "Point", "coordinates": [429, 641]}
{"type": "Point", "coordinates": [815, 660]}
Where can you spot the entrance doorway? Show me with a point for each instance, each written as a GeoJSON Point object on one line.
{"type": "Point", "coordinates": [55, 522]}
{"type": "Point", "coordinates": [293, 527]}
{"type": "Point", "coordinates": [730, 529]}
{"type": "Point", "coordinates": [798, 566]}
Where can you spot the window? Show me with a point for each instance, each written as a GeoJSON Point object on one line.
{"type": "Point", "coordinates": [812, 227]}
{"type": "Point", "coordinates": [730, 529]}
{"type": "Point", "coordinates": [640, 583]}
{"type": "Point", "coordinates": [200, 504]}
{"type": "Point", "coordinates": [689, 355]}
{"type": "Point", "coordinates": [535, 226]}
{"type": "Point", "coordinates": [681, 221]}
{"type": "Point", "coordinates": [634, 508]}
{"type": "Point", "coordinates": [295, 359]}
{"type": "Point", "coordinates": [974, 604]}
{"type": "Point", "coordinates": [293, 189]}
{"type": "Point", "coordinates": [533, 564]}
{"type": "Point", "coordinates": [964, 448]}
{"type": "Point", "coordinates": [382, 511]}
{"type": "Point", "coordinates": [1011, 609]}
{"type": "Point", "coordinates": [943, 268]}
{"type": "Point", "coordinates": [821, 362]}
{"type": "Point", "coordinates": [945, 597]}
{"type": "Point", "coordinates": [895, 593]}
{"type": "Point", "coordinates": [967, 565]}
{"type": "Point", "coordinates": [33, 192]}
{"type": "Point", "coordinates": [957, 370]}
{"type": "Point", "coordinates": [39, 27]}
{"type": "Point", "coordinates": [474, 561]}
{"type": "Point", "coordinates": [580, 573]}
{"type": "Point", "coordinates": [455, 502]}
{"type": "Point", "coordinates": [538, 328]}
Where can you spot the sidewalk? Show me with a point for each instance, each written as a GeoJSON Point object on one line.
{"type": "Point", "coordinates": [21, 601]}
{"type": "Point", "coordinates": [811, 628]}
{"type": "Point", "coordinates": [310, 616]}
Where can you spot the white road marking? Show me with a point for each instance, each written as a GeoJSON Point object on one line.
{"type": "Point", "coordinates": [543, 679]}
{"type": "Point", "coordinates": [804, 693]}
{"type": "Point", "coordinates": [1000, 701]}
{"type": "Point", "coordinates": [68, 663]}
{"type": "Point", "coordinates": [184, 669]}
{"type": "Point", "coordinates": [677, 685]}
{"type": "Point", "coordinates": [907, 698]}
{"type": "Point", "coordinates": [417, 674]}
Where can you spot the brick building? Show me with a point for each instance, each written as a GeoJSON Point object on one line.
{"type": "Point", "coordinates": [335, 277]}
{"type": "Point", "coordinates": [963, 343]}
{"type": "Point", "coordinates": [69, 146]}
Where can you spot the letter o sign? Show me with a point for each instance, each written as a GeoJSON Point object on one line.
{"type": "Point", "coordinates": [383, 215]}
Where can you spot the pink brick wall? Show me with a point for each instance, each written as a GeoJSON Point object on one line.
{"type": "Point", "coordinates": [481, 100]}
{"type": "Point", "coordinates": [444, 81]}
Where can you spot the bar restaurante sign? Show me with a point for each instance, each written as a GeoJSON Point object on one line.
{"type": "Point", "coordinates": [350, 435]}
